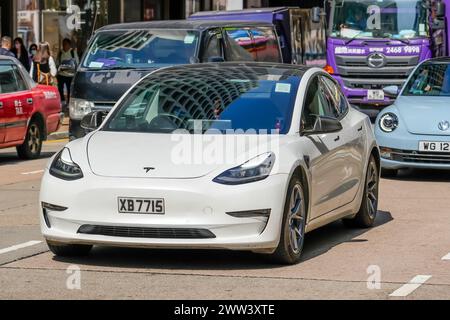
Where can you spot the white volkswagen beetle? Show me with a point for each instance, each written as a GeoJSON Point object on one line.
{"type": "Point", "coordinates": [241, 156]}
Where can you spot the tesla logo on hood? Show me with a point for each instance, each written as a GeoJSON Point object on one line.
{"type": "Point", "coordinates": [444, 125]}
{"type": "Point", "coordinates": [148, 169]}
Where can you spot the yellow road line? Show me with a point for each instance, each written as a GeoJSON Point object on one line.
{"type": "Point", "coordinates": [56, 141]}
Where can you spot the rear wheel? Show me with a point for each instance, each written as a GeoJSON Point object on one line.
{"type": "Point", "coordinates": [367, 213]}
{"type": "Point", "coordinates": [292, 237]}
{"type": "Point", "coordinates": [32, 146]}
{"type": "Point", "coordinates": [69, 250]}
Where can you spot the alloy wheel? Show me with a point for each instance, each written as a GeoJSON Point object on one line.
{"type": "Point", "coordinates": [34, 140]}
{"type": "Point", "coordinates": [296, 219]}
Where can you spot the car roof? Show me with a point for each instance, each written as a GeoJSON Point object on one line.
{"type": "Point", "coordinates": [287, 69]}
{"type": "Point", "coordinates": [7, 59]}
{"type": "Point", "coordinates": [182, 25]}
{"type": "Point", "coordinates": [237, 12]}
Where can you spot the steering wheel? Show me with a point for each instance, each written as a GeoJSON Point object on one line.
{"type": "Point", "coordinates": [163, 117]}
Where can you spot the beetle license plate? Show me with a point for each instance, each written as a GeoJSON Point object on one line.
{"type": "Point", "coordinates": [430, 146]}
{"type": "Point", "coordinates": [142, 206]}
{"type": "Point", "coordinates": [375, 94]}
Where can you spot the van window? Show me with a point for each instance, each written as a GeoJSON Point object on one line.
{"type": "Point", "coordinates": [8, 83]}
{"type": "Point", "coordinates": [141, 49]}
{"type": "Point", "coordinates": [266, 45]}
{"type": "Point", "coordinates": [239, 45]}
{"type": "Point", "coordinates": [213, 46]}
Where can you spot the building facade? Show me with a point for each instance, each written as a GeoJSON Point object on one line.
{"type": "Point", "coordinates": [53, 20]}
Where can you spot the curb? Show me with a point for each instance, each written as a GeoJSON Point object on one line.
{"type": "Point", "coordinates": [58, 136]}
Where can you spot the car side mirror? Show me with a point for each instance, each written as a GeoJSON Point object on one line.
{"type": "Point", "coordinates": [391, 90]}
{"type": "Point", "coordinates": [93, 120]}
{"type": "Point", "coordinates": [216, 59]}
{"type": "Point", "coordinates": [316, 14]}
{"type": "Point", "coordinates": [324, 124]}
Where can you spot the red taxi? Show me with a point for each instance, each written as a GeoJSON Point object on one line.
{"type": "Point", "coordinates": [29, 112]}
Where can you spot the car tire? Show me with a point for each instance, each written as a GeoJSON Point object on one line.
{"type": "Point", "coordinates": [69, 250]}
{"type": "Point", "coordinates": [292, 236]}
{"type": "Point", "coordinates": [32, 146]}
{"type": "Point", "coordinates": [389, 173]}
{"type": "Point", "coordinates": [365, 218]}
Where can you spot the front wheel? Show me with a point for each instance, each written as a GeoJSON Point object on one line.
{"type": "Point", "coordinates": [365, 218]}
{"type": "Point", "coordinates": [32, 146]}
{"type": "Point", "coordinates": [292, 236]}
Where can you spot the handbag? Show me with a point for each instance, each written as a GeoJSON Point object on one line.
{"type": "Point", "coordinates": [43, 77]}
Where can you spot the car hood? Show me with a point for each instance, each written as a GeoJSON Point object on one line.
{"type": "Point", "coordinates": [422, 115]}
{"type": "Point", "coordinates": [162, 156]}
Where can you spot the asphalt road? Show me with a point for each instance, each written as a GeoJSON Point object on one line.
{"type": "Point", "coordinates": [409, 243]}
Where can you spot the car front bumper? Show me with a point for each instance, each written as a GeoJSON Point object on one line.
{"type": "Point", "coordinates": [402, 151]}
{"type": "Point", "coordinates": [190, 204]}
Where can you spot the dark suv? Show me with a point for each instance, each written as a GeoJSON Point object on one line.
{"type": "Point", "coordinates": [121, 54]}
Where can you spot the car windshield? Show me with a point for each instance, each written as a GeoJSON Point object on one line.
{"type": "Point", "coordinates": [392, 19]}
{"type": "Point", "coordinates": [141, 49]}
{"type": "Point", "coordinates": [430, 79]}
{"type": "Point", "coordinates": [198, 99]}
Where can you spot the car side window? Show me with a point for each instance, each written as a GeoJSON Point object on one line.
{"type": "Point", "coordinates": [266, 45]}
{"type": "Point", "coordinates": [21, 84]}
{"type": "Point", "coordinates": [339, 102]}
{"type": "Point", "coordinates": [213, 46]}
{"type": "Point", "coordinates": [8, 82]}
{"type": "Point", "coordinates": [313, 106]}
{"type": "Point", "coordinates": [239, 45]}
{"type": "Point", "coordinates": [330, 97]}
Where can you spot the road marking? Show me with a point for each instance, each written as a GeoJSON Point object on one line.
{"type": "Point", "coordinates": [412, 285]}
{"type": "Point", "coordinates": [32, 172]}
{"type": "Point", "coordinates": [56, 141]}
{"type": "Point", "coordinates": [446, 257]}
{"type": "Point", "coordinates": [20, 246]}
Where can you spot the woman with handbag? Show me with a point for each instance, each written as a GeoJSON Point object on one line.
{"type": "Point", "coordinates": [43, 68]}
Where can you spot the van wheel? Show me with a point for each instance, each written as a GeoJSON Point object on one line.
{"type": "Point", "coordinates": [367, 213]}
{"type": "Point", "coordinates": [69, 250]}
{"type": "Point", "coordinates": [32, 146]}
{"type": "Point", "coordinates": [292, 237]}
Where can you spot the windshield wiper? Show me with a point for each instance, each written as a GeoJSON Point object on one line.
{"type": "Point", "coordinates": [120, 68]}
{"type": "Point", "coordinates": [354, 37]}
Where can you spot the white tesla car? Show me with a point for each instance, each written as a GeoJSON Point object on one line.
{"type": "Point", "coordinates": [241, 156]}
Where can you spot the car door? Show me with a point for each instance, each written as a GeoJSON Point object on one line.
{"type": "Point", "coordinates": [327, 159]}
{"type": "Point", "coordinates": [17, 103]}
{"type": "Point", "coordinates": [351, 139]}
{"type": "Point", "coordinates": [239, 45]}
{"type": "Point", "coordinates": [212, 48]}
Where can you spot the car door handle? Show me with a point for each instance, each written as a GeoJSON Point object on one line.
{"type": "Point", "coordinates": [337, 139]}
{"type": "Point", "coordinates": [30, 100]}
{"type": "Point", "coordinates": [1, 104]}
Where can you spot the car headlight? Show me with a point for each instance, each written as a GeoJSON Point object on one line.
{"type": "Point", "coordinates": [256, 169]}
{"type": "Point", "coordinates": [388, 122]}
{"type": "Point", "coordinates": [64, 168]}
{"type": "Point", "coordinates": [78, 108]}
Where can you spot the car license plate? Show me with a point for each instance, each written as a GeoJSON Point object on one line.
{"type": "Point", "coordinates": [142, 206]}
{"type": "Point", "coordinates": [375, 94]}
{"type": "Point", "coordinates": [430, 146]}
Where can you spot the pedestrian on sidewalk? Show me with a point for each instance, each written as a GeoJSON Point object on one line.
{"type": "Point", "coordinates": [43, 69]}
{"type": "Point", "coordinates": [67, 63]}
{"type": "Point", "coordinates": [5, 50]}
{"type": "Point", "coordinates": [21, 53]}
